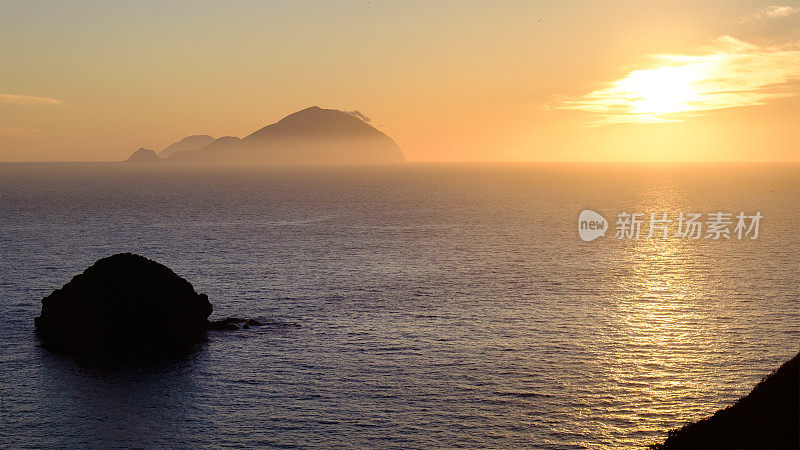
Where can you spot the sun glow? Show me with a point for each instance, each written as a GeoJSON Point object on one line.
{"type": "Point", "coordinates": [660, 91]}
{"type": "Point", "coordinates": [732, 74]}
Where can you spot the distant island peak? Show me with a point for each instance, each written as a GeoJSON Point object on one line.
{"type": "Point", "coordinates": [311, 135]}
{"type": "Point", "coordinates": [143, 155]}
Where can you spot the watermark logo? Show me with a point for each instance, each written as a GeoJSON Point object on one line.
{"type": "Point", "coordinates": [692, 226]}
{"type": "Point", "coordinates": [591, 225]}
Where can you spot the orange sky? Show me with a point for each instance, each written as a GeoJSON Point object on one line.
{"type": "Point", "coordinates": [448, 80]}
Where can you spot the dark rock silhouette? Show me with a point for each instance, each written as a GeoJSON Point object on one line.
{"type": "Point", "coordinates": [768, 417]}
{"type": "Point", "coordinates": [188, 143]}
{"type": "Point", "coordinates": [143, 155]}
{"type": "Point", "coordinates": [124, 302]}
{"type": "Point", "coordinates": [233, 323]}
{"type": "Point", "coordinates": [313, 135]}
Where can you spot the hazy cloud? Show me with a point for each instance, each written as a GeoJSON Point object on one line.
{"type": "Point", "coordinates": [16, 99]}
{"type": "Point", "coordinates": [727, 74]}
{"type": "Point", "coordinates": [771, 12]}
{"type": "Point", "coordinates": [780, 11]}
{"type": "Point", "coordinates": [360, 115]}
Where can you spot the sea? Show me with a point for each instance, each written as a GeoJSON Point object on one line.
{"type": "Point", "coordinates": [407, 306]}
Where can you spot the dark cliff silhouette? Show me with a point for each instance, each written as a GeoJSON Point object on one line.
{"type": "Point", "coordinates": [143, 155]}
{"type": "Point", "coordinates": [188, 143]}
{"type": "Point", "coordinates": [313, 135]}
{"type": "Point", "coordinates": [768, 417]}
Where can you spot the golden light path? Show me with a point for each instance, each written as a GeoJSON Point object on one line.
{"type": "Point", "coordinates": [731, 74]}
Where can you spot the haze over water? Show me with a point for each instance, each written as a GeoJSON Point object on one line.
{"type": "Point", "coordinates": [406, 306]}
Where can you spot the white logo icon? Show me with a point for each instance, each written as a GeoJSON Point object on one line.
{"type": "Point", "coordinates": [591, 225]}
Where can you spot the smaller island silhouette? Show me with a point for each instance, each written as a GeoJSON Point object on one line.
{"type": "Point", "coordinates": [311, 136]}
{"type": "Point", "coordinates": [143, 155]}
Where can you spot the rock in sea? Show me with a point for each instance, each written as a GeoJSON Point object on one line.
{"type": "Point", "coordinates": [124, 302]}
{"type": "Point", "coordinates": [233, 323]}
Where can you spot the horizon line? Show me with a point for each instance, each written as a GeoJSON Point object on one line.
{"type": "Point", "coordinates": [431, 161]}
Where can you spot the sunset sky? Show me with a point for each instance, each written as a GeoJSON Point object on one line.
{"type": "Point", "coordinates": [448, 80]}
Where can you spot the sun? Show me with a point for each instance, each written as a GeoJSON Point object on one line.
{"type": "Point", "coordinates": [664, 90]}
{"type": "Point", "coordinates": [685, 84]}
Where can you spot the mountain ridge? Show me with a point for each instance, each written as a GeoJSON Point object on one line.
{"type": "Point", "coordinates": [189, 143]}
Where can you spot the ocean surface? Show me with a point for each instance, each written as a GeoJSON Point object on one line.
{"type": "Point", "coordinates": [406, 306]}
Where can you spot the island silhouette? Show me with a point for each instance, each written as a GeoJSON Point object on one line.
{"type": "Point", "coordinates": [309, 136]}
{"type": "Point", "coordinates": [143, 155]}
{"type": "Point", "coordinates": [126, 302]}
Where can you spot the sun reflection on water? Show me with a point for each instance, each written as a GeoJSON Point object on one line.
{"type": "Point", "coordinates": [659, 320]}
